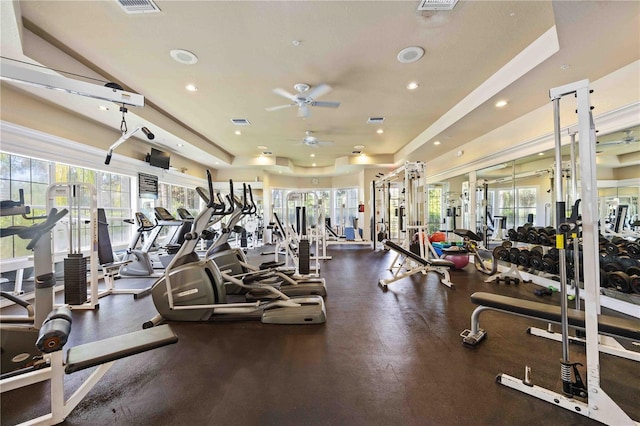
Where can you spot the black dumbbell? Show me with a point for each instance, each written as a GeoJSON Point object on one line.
{"type": "Point", "coordinates": [550, 264]}
{"type": "Point", "coordinates": [524, 258]}
{"type": "Point", "coordinates": [513, 255]}
{"type": "Point", "coordinates": [501, 253]}
{"type": "Point", "coordinates": [620, 281]}
{"type": "Point", "coordinates": [633, 249]}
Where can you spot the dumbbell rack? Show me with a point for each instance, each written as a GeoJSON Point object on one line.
{"type": "Point", "coordinates": [512, 272]}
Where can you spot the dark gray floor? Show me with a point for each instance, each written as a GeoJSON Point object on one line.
{"type": "Point", "coordinates": [382, 358]}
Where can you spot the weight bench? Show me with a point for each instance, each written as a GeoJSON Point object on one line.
{"type": "Point", "coordinates": [103, 354]}
{"type": "Point", "coordinates": [608, 326]}
{"type": "Point", "coordinates": [421, 265]}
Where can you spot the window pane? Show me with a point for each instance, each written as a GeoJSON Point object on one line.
{"type": "Point", "coordinates": [5, 166]}
{"type": "Point", "coordinates": [20, 168]}
{"type": "Point", "coordinates": [40, 171]}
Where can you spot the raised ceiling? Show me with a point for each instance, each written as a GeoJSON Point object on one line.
{"type": "Point", "coordinates": [246, 49]}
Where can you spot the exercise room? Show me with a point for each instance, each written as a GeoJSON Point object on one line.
{"type": "Point", "coordinates": [420, 212]}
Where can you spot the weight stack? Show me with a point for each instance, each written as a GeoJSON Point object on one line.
{"type": "Point", "coordinates": [75, 279]}
{"type": "Point", "coordinates": [243, 238]}
{"type": "Point", "coordinates": [304, 256]}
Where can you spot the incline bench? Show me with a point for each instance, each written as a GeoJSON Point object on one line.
{"type": "Point", "coordinates": [607, 325]}
{"type": "Point", "coordinates": [441, 266]}
{"type": "Point", "coordinates": [103, 354]}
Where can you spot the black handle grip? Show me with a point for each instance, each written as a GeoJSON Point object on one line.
{"type": "Point", "coordinates": [108, 159]}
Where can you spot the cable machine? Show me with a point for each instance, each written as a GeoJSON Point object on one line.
{"type": "Point", "coordinates": [599, 405]}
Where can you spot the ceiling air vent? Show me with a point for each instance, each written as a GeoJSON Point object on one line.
{"type": "Point", "coordinates": [138, 6]}
{"type": "Point", "coordinates": [437, 4]}
{"type": "Point", "coordinates": [240, 121]}
{"type": "Point", "coordinates": [375, 120]}
{"type": "Point", "coordinates": [356, 152]}
{"type": "Point", "coordinates": [267, 153]}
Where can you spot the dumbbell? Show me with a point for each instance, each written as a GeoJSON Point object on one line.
{"type": "Point", "coordinates": [513, 234]}
{"type": "Point", "coordinates": [522, 232]}
{"type": "Point", "coordinates": [532, 235]}
{"type": "Point", "coordinates": [620, 281]}
{"type": "Point", "coordinates": [524, 257]}
{"type": "Point", "coordinates": [617, 245]}
{"type": "Point", "coordinates": [535, 260]}
{"type": "Point", "coordinates": [513, 255]}
{"type": "Point", "coordinates": [501, 253]}
{"type": "Point", "coordinates": [633, 248]}
{"type": "Point", "coordinates": [547, 236]}
{"type": "Point", "coordinates": [550, 261]}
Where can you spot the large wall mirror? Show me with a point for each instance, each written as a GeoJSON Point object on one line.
{"type": "Point", "coordinates": [513, 193]}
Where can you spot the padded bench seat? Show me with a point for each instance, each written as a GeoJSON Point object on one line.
{"type": "Point", "coordinates": [114, 348]}
{"type": "Point", "coordinates": [426, 262]}
{"type": "Point", "coordinates": [614, 326]}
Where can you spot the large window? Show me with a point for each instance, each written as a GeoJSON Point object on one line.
{"type": "Point", "coordinates": [516, 208]}
{"type": "Point", "coordinates": [172, 197]}
{"type": "Point", "coordinates": [34, 176]}
{"type": "Point", "coordinates": [345, 208]}
{"type": "Point", "coordinates": [435, 209]}
{"type": "Point", "coordinates": [340, 205]}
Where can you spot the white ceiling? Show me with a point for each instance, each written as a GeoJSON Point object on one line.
{"type": "Point", "coordinates": [246, 49]}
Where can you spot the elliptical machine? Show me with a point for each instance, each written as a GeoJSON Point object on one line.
{"type": "Point", "coordinates": [236, 261]}
{"type": "Point", "coordinates": [192, 289]}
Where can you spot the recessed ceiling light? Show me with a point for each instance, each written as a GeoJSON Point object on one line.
{"type": "Point", "coordinates": [314, 164]}
{"type": "Point", "coordinates": [501, 103]}
{"type": "Point", "coordinates": [279, 171]}
{"type": "Point", "coordinates": [379, 131]}
{"type": "Point", "coordinates": [565, 67]}
{"type": "Point", "coordinates": [410, 54]}
{"type": "Point", "coordinates": [312, 155]}
{"type": "Point", "coordinates": [103, 108]}
{"type": "Point", "coordinates": [437, 143]}
{"type": "Point", "coordinates": [296, 43]}
{"type": "Point", "coordinates": [179, 145]}
{"type": "Point", "coordinates": [413, 85]}
{"type": "Point", "coordinates": [459, 153]}
{"type": "Point", "coordinates": [238, 132]}
{"type": "Point", "coordinates": [191, 87]}
{"type": "Point", "coordinates": [358, 146]}
{"type": "Point", "coordinates": [184, 56]}
{"type": "Point", "coordinates": [541, 153]}
{"type": "Point", "coordinates": [262, 147]}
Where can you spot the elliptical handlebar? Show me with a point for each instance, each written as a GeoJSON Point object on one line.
{"type": "Point", "coordinates": [252, 207]}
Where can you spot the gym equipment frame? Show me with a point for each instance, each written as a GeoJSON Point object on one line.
{"type": "Point", "coordinates": [599, 405]}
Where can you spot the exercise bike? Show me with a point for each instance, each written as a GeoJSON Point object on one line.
{"type": "Point", "coordinates": [192, 289]}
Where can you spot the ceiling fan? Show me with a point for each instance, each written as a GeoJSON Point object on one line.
{"type": "Point", "coordinates": [313, 142]}
{"type": "Point", "coordinates": [624, 141]}
{"type": "Point", "coordinates": [305, 98]}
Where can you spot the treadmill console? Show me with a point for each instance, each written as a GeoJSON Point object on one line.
{"type": "Point", "coordinates": [163, 214]}
{"type": "Point", "coordinates": [143, 221]}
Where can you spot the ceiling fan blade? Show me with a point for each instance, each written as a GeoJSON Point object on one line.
{"type": "Point", "coordinates": [275, 108]}
{"type": "Point", "coordinates": [325, 104]}
{"type": "Point", "coordinates": [303, 111]}
{"type": "Point", "coordinates": [318, 91]}
{"type": "Point", "coordinates": [284, 94]}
